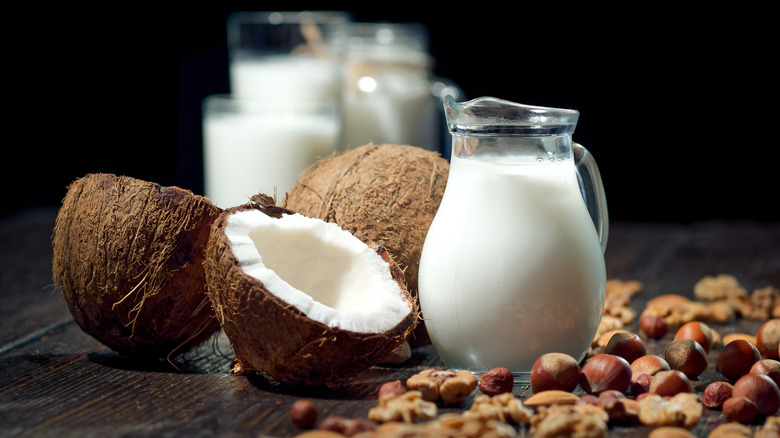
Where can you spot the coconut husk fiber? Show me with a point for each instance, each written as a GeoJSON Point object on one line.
{"type": "Point", "coordinates": [382, 193]}
{"type": "Point", "coordinates": [128, 257]}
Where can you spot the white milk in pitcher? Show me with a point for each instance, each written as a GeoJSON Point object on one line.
{"type": "Point", "coordinates": [511, 267]}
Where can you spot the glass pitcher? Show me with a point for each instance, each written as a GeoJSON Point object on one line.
{"type": "Point", "coordinates": [513, 263]}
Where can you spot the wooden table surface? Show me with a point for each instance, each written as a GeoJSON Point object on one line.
{"type": "Point", "coordinates": [55, 381]}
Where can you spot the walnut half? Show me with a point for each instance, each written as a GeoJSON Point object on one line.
{"type": "Point", "coordinates": [449, 386]}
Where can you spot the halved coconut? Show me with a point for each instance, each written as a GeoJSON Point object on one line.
{"type": "Point", "coordinates": [303, 300]}
{"type": "Point", "coordinates": [128, 256]}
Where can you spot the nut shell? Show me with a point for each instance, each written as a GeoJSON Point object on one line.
{"type": "Point", "coordinates": [736, 359]}
{"type": "Point", "coordinates": [128, 256]}
{"type": "Point", "coordinates": [555, 371]}
{"type": "Point", "coordinates": [687, 356]}
{"type": "Point", "coordinates": [603, 372]}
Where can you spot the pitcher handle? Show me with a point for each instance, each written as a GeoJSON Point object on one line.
{"type": "Point", "coordinates": [592, 191]}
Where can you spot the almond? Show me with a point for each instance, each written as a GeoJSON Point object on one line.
{"type": "Point", "coordinates": [551, 397]}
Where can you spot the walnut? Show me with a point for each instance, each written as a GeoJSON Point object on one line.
{"type": "Point", "coordinates": [722, 312]}
{"type": "Point", "coordinates": [504, 407]}
{"type": "Point", "coordinates": [677, 309]}
{"type": "Point", "coordinates": [463, 426]}
{"type": "Point", "coordinates": [618, 297]}
{"type": "Point", "coordinates": [405, 407]}
{"type": "Point", "coordinates": [763, 302]}
{"type": "Point", "coordinates": [447, 385]}
{"type": "Point", "coordinates": [567, 420]}
{"type": "Point", "coordinates": [623, 289]}
{"type": "Point", "coordinates": [770, 429]}
{"type": "Point", "coordinates": [682, 410]}
{"type": "Point", "coordinates": [400, 429]}
{"type": "Point", "coordinates": [720, 287]}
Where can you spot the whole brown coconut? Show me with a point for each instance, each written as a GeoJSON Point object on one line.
{"type": "Point", "coordinates": [283, 324]}
{"type": "Point", "coordinates": [386, 194]}
{"type": "Point", "coordinates": [128, 257]}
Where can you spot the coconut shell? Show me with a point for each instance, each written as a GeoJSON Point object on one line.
{"type": "Point", "coordinates": [272, 337]}
{"type": "Point", "coordinates": [128, 257]}
{"type": "Point", "coordinates": [385, 194]}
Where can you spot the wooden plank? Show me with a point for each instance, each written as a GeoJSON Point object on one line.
{"type": "Point", "coordinates": [57, 381]}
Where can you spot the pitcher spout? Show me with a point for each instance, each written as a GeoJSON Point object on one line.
{"type": "Point", "coordinates": [489, 115]}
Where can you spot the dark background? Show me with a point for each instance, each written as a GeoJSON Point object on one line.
{"type": "Point", "coordinates": [677, 106]}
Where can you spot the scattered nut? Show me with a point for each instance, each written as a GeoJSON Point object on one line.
{"type": "Point", "coordinates": [603, 372]}
{"type": "Point", "coordinates": [687, 356]}
{"type": "Point", "coordinates": [720, 287]}
{"type": "Point", "coordinates": [496, 381]}
{"type": "Point", "coordinates": [653, 326]}
{"type": "Point", "coordinates": [640, 384]}
{"type": "Point", "coordinates": [768, 338]}
{"type": "Point", "coordinates": [551, 397]}
{"type": "Point", "coordinates": [567, 420]}
{"type": "Point", "coordinates": [670, 383]}
{"type": "Point", "coordinates": [698, 331]}
{"type": "Point", "coordinates": [734, 336]}
{"type": "Point", "coordinates": [303, 414]}
{"type": "Point", "coordinates": [555, 371]}
{"type": "Point", "coordinates": [504, 407]}
{"type": "Point", "coordinates": [394, 387]}
{"type": "Point", "coordinates": [629, 346]}
{"type": "Point", "coordinates": [648, 364]}
{"type": "Point", "coordinates": [759, 389]}
{"type": "Point", "coordinates": [740, 410]}
{"type": "Point", "coordinates": [681, 410]}
{"type": "Point", "coordinates": [770, 429]}
{"type": "Point", "coordinates": [715, 394]}
{"type": "Point", "coordinates": [736, 359]}
{"type": "Point", "coordinates": [730, 430]}
{"type": "Point", "coordinates": [768, 367]}
{"type": "Point", "coordinates": [676, 310]}
{"type": "Point", "coordinates": [670, 432]}
{"type": "Point", "coordinates": [447, 385]}
{"type": "Point", "coordinates": [405, 407]}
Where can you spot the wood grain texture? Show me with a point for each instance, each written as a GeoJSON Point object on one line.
{"type": "Point", "coordinates": [56, 381]}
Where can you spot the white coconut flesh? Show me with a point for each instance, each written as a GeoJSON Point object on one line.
{"type": "Point", "coordinates": [324, 271]}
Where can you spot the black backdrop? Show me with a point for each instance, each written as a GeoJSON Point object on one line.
{"type": "Point", "coordinates": [677, 106]}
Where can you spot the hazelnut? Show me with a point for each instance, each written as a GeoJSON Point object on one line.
{"type": "Point", "coordinates": [687, 356]}
{"type": "Point", "coordinates": [670, 383]}
{"type": "Point", "coordinates": [739, 410]}
{"type": "Point", "coordinates": [715, 394]}
{"type": "Point", "coordinates": [734, 336]}
{"type": "Point", "coordinates": [648, 364]}
{"type": "Point", "coordinates": [603, 372]}
{"type": "Point", "coordinates": [394, 387]}
{"type": "Point", "coordinates": [555, 371]}
{"type": "Point", "coordinates": [496, 381]}
{"type": "Point", "coordinates": [736, 358]}
{"type": "Point", "coordinates": [768, 367]}
{"type": "Point", "coordinates": [629, 346]}
{"type": "Point", "coordinates": [768, 339]}
{"type": "Point", "coordinates": [303, 414]}
{"type": "Point", "coordinates": [759, 389]}
{"type": "Point", "coordinates": [640, 384]}
{"type": "Point", "coordinates": [653, 326]}
{"type": "Point", "coordinates": [697, 331]}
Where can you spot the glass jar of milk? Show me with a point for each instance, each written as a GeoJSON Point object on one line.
{"type": "Point", "coordinates": [512, 266]}
{"type": "Point", "coordinates": [389, 93]}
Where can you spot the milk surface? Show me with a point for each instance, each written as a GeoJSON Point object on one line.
{"type": "Point", "coordinates": [286, 78]}
{"type": "Point", "coordinates": [511, 267]}
{"type": "Point", "coordinates": [247, 153]}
